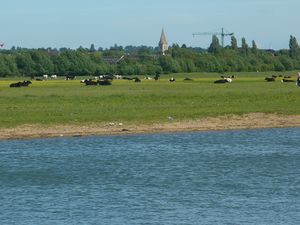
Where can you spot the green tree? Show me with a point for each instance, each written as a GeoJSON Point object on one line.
{"type": "Point", "coordinates": [254, 48]}
{"type": "Point", "coordinates": [294, 47]}
{"type": "Point", "coordinates": [42, 62]}
{"type": "Point", "coordinates": [245, 47]}
{"type": "Point", "coordinates": [25, 64]}
{"type": "Point", "coordinates": [92, 48]}
{"type": "Point", "coordinates": [215, 45]}
{"type": "Point", "coordinates": [234, 45]}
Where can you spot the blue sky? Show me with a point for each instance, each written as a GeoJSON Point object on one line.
{"type": "Point", "coordinates": [71, 23]}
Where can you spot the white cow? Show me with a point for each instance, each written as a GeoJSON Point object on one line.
{"type": "Point", "coordinates": [45, 76]}
{"type": "Point", "coordinates": [118, 77]}
{"type": "Point", "coordinates": [54, 76]}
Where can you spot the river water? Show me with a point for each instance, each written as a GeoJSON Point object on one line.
{"type": "Point", "coordinates": [227, 177]}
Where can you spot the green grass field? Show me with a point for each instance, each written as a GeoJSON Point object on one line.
{"type": "Point", "coordinates": [69, 102]}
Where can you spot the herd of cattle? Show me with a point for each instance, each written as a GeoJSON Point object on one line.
{"type": "Point", "coordinates": [284, 78]}
{"type": "Point", "coordinates": [107, 80]}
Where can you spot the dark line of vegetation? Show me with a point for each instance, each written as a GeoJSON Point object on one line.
{"type": "Point", "coordinates": [143, 60]}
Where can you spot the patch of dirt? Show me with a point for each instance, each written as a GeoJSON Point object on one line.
{"type": "Point", "coordinates": [230, 122]}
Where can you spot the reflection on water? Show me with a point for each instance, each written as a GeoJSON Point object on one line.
{"type": "Point", "coordinates": [230, 177]}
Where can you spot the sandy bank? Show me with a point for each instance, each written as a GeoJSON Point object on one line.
{"type": "Point", "coordinates": [231, 122]}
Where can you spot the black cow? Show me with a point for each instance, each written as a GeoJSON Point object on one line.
{"type": "Point", "coordinates": [287, 77]}
{"type": "Point", "coordinates": [18, 84]}
{"type": "Point", "coordinates": [25, 83]}
{"type": "Point", "coordinates": [137, 80]}
{"type": "Point", "coordinates": [89, 82]}
{"type": "Point", "coordinates": [157, 76]}
{"type": "Point", "coordinates": [104, 82]}
{"type": "Point", "coordinates": [224, 77]}
{"type": "Point", "coordinates": [172, 79]}
{"type": "Point", "coordinates": [188, 79]}
{"type": "Point", "coordinates": [298, 82]}
{"type": "Point", "coordinates": [286, 80]}
{"type": "Point", "coordinates": [70, 77]}
{"type": "Point", "coordinates": [21, 84]}
{"type": "Point", "coordinates": [222, 81]}
{"type": "Point", "coordinates": [270, 79]}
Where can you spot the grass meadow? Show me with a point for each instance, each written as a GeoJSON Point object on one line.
{"type": "Point", "coordinates": [59, 101]}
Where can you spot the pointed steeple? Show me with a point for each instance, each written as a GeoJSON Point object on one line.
{"type": "Point", "coordinates": [163, 44]}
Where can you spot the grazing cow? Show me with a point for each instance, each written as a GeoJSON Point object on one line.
{"type": "Point", "coordinates": [45, 76]}
{"type": "Point", "coordinates": [54, 76]}
{"type": "Point", "coordinates": [137, 80]}
{"type": "Point", "coordinates": [172, 79]}
{"type": "Point", "coordinates": [286, 80]}
{"type": "Point", "coordinates": [70, 77]}
{"type": "Point", "coordinates": [269, 79]}
{"type": "Point", "coordinates": [148, 78]}
{"type": "Point", "coordinates": [274, 76]}
{"type": "Point", "coordinates": [287, 77]}
{"type": "Point", "coordinates": [188, 79]}
{"type": "Point", "coordinates": [118, 77]}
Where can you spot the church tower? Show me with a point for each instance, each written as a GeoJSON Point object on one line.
{"type": "Point", "coordinates": [163, 45]}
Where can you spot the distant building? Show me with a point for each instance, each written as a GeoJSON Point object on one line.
{"type": "Point", "coordinates": [163, 44]}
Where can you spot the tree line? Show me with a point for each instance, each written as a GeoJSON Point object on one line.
{"type": "Point", "coordinates": [144, 60]}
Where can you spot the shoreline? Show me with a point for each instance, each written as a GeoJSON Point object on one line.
{"type": "Point", "coordinates": [229, 122]}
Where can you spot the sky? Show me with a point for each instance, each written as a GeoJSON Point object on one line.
{"type": "Point", "coordinates": [74, 23]}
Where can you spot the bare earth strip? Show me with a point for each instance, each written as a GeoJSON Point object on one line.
{"type": "Point", "coordinates": [230, 122]}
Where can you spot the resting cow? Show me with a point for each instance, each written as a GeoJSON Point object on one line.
{"type": "Point", "coordinates": [25, 83]}
{"type": "Point", "coordinates": [222, 81]}
{"type": "Point", "coordinates": [286, 80]}
{"type": "Point", "coordinates": [172, 79]}
{"type": "Point", "coordinates": [270, 79]}
{"type": "Point", "coordinates": [104, 82]}
{"type": "Point", "coordinates": [89, 82]}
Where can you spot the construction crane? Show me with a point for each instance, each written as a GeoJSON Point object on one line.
{"type": "Point", "coordinates": [222, 34]}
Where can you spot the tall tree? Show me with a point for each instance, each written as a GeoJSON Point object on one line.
{"type": "Point", "coordinates": [92, 48]}
{"type": "Point", "coordinates": [245, 47]}
{"type": "Point", "coordinates": [294, 47]}
{"type": "Point", "coordinates": [234, 45]}
{"type": "Point", "coordinates": [254, 47]}
{"type": "Point", "coordinates": [215, 45]}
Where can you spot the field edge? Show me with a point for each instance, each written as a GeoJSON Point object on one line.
{"type": "Point", "coordinates": [228, 122]}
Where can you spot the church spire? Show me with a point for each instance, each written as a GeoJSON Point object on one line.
{"type": "Point", "coordinates": [163, 44]}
